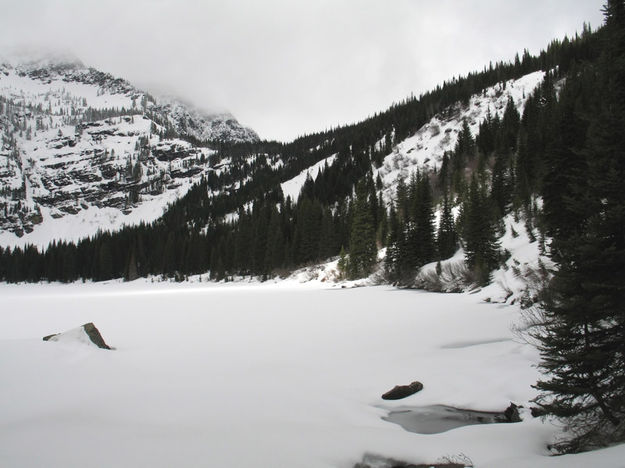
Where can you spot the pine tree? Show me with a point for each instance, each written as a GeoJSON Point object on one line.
{"type": "Point", "coordinates": [583, 333]}
{"type": "Point", "coordinates": [463, 153]}
{"type": "Point", "coordinates": [510, 126]}
{"type": "Point", "coordinates": [362, 248]}
{"type": "Point", "coordinates": [424, 221]}
{"type": "Point", "coordinates": [105, 262]}
{"type": "Point", "coordinates": [447, 238]}
{"type": "Point", "coordinates": [500, 188]}
{"type": "Point", "coordinates": [481, 245]}
{"type": "Point", "coordinates": [392, 259]}
{"type": "Point", "coordinates": [274, 257]}
{"type": "Point", "coordinates": [130, 273]}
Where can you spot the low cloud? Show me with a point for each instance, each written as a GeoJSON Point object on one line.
{"type": "Point", "coordinates": [287, 68]}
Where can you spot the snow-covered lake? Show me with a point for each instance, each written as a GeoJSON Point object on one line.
{"type": "Point", "coordinates": [281, 375]}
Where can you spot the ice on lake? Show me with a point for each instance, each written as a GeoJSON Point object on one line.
{"type": "Point", "coordinates": [282, 375]}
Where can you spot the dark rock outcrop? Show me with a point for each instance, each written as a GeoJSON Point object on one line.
{"type": "Point", "coordinates": [94, 335]}
{"type": "Point", "coordinates": [92, 332]}
{"type": "Point", "coordinates": [512, 413]}
{"type": "Point", "coordinates": [402, 391]}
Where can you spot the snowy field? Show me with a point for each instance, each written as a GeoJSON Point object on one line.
{"type": "Point", "coordinates": [278, 375]}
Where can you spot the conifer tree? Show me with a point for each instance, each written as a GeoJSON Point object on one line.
{"type": "Point", "coordinates": [501, 186]}
{"type": "Point", "coordinates": [424, 222]}
{"type": "Point", "coordinates": [274, 256]}
{"type": "Point", "coordinates": [362, 248]}
{"type": "Point", "coordinates": [447, 238]}
{"type": "Point", "coordinates": [463, 153]}
{"type": "Point", "coordinates": [130, 273]}
{"type": "Point", "coordinates": [583, 338]}
{"type": "Point", "coordinates": [510, 126]}
{"type": "Point", "coordinates": [105, 262]}
{"type": "Point", "coordinates": [480, 239]}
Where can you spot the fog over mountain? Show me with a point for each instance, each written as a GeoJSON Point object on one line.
{"type": "Point", "coordinates": [288, 68]}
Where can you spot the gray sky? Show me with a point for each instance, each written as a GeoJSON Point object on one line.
{"type": "Point", "coordinates": [291, 67]}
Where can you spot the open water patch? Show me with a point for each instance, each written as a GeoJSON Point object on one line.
{"type": "Point", "coordinates": [469, 344]}
{"type": "Point", "coordinates": [434, 419]}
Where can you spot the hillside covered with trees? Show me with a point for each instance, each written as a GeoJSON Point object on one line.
{"type": "Point", "coordinates": [272, 234]}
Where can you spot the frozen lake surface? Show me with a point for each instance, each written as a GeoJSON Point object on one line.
{"type": "Point", "coordinates": [278, 375]}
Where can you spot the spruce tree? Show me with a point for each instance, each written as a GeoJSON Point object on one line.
{"type": "Point", "coordinates": [362, 248]}
{"type": "Point", "coordinates": [480, 237]}
{"type": "Point", "coordinates": [424, 222]}
{"type": "Point", "coordinates": [447, 238]}
{"type": "Point", "coordinates": [583, 333]}
{"type": "Point", "coordinates": [392, 259]}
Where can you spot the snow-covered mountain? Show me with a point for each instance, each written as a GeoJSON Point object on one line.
{"type": "Point", "coordinates": [36, 73]}
{"type": "Point", "coordinates": [190, 121]}
{"type": "Point", "coordinates": [82, 151]}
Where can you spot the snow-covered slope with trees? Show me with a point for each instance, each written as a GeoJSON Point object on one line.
{"type": "Point", "coordinates": [292, 187]}
{"type": "Point", "coordinates": [428, 145]}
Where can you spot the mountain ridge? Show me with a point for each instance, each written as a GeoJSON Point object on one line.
{"type": "Point", "coordinates": [74, 138]}
{"type": "Point", "coordinates": [223, 217]}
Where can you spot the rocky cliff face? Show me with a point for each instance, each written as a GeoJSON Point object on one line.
{"type": "Point", "coordinates": [84, 147]}
{"type": "Point", "coordinates": [188, 120]}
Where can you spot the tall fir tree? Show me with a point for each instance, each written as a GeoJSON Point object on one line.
{"type": "Point", "coordinates": [480, 237]}
{"type": "Point", "coordinates": [424, 222]}
{"type": "Point", "coordinates": [392, 259]}
{"type": "Point", "coordinates": [447, 238]}
{"type": "Point", "coordinates": [583, 333]}
{"type": "Point", "coordinates": [362, 246]}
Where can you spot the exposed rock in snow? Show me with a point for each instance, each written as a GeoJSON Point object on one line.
{"type": "Point", "coordinates": [87, 334]}
{"type": "Point", "coordinates": [189, 120]}
{"type": "Point", "coordinates": [402, 391]}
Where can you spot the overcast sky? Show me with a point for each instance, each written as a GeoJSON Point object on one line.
{"type": "Point", "coordinates": [286, 68]}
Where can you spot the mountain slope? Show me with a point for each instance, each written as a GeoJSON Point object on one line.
{"type": "Point", "coordinates": [242, 217]}
{"type": "Point", "coordinates": [82, 151]}
{"type": "Point", "coordinates": [426, 147]}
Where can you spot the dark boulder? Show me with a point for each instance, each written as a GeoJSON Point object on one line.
{"type": "Point", "coordinates": [94, 335]}
{"type": "Point", "coordinates": [402, 391]}
{"type": "Point", "coordinates": [91, 331]}
{"type": "Point", "coordinates": [512, 413]}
